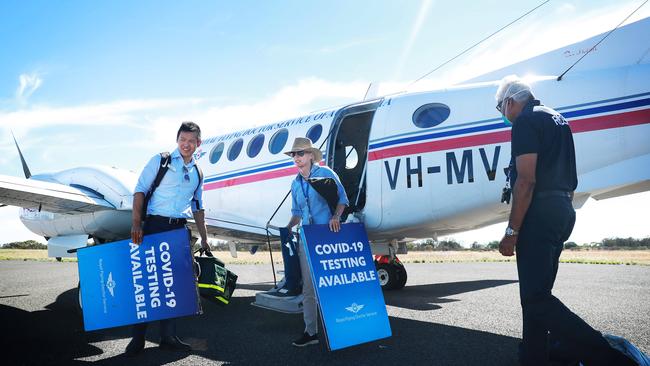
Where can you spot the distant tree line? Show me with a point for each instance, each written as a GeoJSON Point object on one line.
{"type": "Point", "coordinates": [28, 244]}
{"type": "Point", "coordinates": [419, 245]}
{"type": "Point", "coordinates": [450, 244]}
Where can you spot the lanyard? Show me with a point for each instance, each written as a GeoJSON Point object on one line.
{"type": "Point", "coordinates": [305, 193]}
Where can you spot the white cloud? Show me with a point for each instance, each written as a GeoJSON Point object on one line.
{"type": "Point", "coordinates": [51, 135]}
{"type": "Point", "coordinates": [28, 83]}
{"type": "Point", "coordinates": [291, 101]}
{"type": "Point", "coordinates": [415, 30]}
{"type": "Point", "coordinates": [564, 8]}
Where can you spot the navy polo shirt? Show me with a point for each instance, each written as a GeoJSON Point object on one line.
{"type": "Point", "coordinates": [541, 130]}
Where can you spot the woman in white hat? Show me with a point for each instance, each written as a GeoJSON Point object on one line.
{"type": "Point", "coordinates": [309, 207]}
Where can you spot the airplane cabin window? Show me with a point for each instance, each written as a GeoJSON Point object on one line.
{"type": "Point", "coordinates": [216, 153]}
{"type": "Point", "coordinates": [351, 157]}
{"type": "Point", "coordinates": [315, 132]}
{"type": "Point", "coordinates": [430, 115]}
{"type": "Point", "coordinates": [255, 146]}
{"type": "Point", "coordinates": [235, 149]}
{"type": "Point", "coordinates": [278, 140]}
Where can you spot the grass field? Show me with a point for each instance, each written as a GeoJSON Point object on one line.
{"type": "Point", "coordinates": [622, 257]}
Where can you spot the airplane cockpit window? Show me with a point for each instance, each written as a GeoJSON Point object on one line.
{"type": "Point", "coordinates": [255, 146]}
{"type": "Point", "coordinates": [216, 153]}
{"type": "Point", "coordinates": [278, 140]}
{"type": "Point", "coordinates": [314, 132]}
{"type": "Point", "coordinates": [235, 149]}
{"type": "Point", "coordinates": [430, 115]}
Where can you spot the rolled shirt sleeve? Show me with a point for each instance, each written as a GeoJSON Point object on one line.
{"type": "Point", "coordinates": [295, 208]}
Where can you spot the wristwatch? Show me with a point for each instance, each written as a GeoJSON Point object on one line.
{"type": "Point", "coordinates": [511, 232]}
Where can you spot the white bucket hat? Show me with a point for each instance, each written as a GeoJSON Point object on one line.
{"type": "Point", "coordinates": [304, 144]}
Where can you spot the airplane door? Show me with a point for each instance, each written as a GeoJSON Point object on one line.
{"type": "Point", "coordinates": [347, 152]}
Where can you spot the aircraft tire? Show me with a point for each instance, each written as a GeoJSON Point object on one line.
{"type": "Point", "coordinates": [387, 275]}
{"type": "Point", "coordinates": [78, 306]}
{"type": "Point", "coordinates": [402, 276]}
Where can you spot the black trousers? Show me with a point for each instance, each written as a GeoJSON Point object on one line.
{"type": "Point", "coordinates": [547, 225]}
{"type": "Point", "coordinates": [167, 326]}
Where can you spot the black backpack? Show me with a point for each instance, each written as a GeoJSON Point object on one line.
{"type": "Point", "coordinates": [165, 159]}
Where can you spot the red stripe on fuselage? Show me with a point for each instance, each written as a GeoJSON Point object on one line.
{"type": "Point", "coordinates": [251, 178]}
{"type": "Point", "coordinates": [577, 126]}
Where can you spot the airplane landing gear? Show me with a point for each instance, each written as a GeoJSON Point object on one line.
{"type": "Point", "coordinates": [391, 272]}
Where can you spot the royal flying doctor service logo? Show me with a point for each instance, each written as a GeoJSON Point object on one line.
{"type": "Point", "coordinates": [110, 284]}
{"type": "Point", "coordinates": [354, 308]}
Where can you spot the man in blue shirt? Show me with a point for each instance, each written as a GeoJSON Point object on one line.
{"type": "Point", "coordinates": [176, 199]}
{"type": "Point", "coordinates": [309, 207]}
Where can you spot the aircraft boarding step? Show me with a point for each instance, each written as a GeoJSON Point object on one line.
{"type": "Point", "coordinates": [276, 300]}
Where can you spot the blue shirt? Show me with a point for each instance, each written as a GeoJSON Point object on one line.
{"type": "Point", "coordinates": [177, 195]}
{"type": "Point", "coordinates": [316, 211]}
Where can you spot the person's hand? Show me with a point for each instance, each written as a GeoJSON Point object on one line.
{"type": "Point", "coordinates": [507, 245]}
{"type": "Point", "coordinates": [136, 234]}
{"type": "Point", "coordinates": [335, 224]}
{"type": "Point", "coordinates": [205, 248]}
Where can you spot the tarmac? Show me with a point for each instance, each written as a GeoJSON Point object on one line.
{"type": "Point", "coordinates": [448, 314]}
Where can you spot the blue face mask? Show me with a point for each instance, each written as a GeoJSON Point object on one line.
{"type": "Point", "coordinates": [506, 121]}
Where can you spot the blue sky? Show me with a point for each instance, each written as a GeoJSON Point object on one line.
{"type": "Point", "coordinates": [107, 82]}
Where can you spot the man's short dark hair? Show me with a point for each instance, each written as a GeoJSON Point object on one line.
{"type": "Point", "coordinates": [189, 127]}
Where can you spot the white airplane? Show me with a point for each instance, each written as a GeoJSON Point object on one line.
{"type": "Point", "coordinates": [414, 165]}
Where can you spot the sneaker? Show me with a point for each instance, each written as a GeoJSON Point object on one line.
{"type": "Point", "coordinates": [306, 340]}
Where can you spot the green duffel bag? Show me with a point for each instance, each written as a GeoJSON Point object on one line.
{"type": "Point", "coordinates": [216, 283]}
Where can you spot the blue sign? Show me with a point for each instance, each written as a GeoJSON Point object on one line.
{"type": "Point", "coordinates": [124, 283]}
{"type": "Point", "coordinates": [346, 285]}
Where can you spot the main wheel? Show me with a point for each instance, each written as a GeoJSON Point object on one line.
{"type": "Point", "coordinates": [79, 304]}
{"type": "Point", "coordinates": [388, 277]}
{"type": "Point", "coordinates": [401, 275]}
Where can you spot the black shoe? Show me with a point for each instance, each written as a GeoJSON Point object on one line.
{"type": "Point", "coordinates": [134, 347]}
{"type": "Point", "coordinates": [306, 340]}
{"type": "Point", "coordinates": [174, 344]}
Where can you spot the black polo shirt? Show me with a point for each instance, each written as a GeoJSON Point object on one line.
{"type": "Point", "coordinates": [541, 130]}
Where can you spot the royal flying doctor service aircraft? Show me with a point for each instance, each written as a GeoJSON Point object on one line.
{"type": "Point", "coordinates": [413, 165]}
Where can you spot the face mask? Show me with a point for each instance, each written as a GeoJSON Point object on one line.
{"type": "Point", "coordinates": [506, 121]}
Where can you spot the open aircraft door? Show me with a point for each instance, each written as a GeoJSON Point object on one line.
{"type": "Point", "coordinates": [347, 151]}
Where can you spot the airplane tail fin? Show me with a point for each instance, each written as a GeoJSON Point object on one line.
{"type": "Point", "coordinates": [627, 45]}
{"type": "Point", "coordinates": [28, 174]}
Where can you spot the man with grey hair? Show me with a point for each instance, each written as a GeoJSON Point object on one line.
{"type": "Point", "coordinates": [541, 219]}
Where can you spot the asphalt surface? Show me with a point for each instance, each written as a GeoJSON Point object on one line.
{"type": "Point", "coordinates": [448, 314]}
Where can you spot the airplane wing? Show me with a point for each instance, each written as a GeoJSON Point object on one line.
{"type": "Point", "coordinates": [229, 230]}
{"type": "Point", "coordinates": [49, 196]}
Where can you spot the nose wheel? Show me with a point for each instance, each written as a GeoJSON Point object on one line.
{"type": "Point", "coordinates": [391, 273]}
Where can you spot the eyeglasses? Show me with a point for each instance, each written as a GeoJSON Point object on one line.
{"type": "Point", "coordinates": [299, 153]}
{"type": "Point", "coordinates": [500, 105]}
{"type": "Point", "coordinates": [186, 172]}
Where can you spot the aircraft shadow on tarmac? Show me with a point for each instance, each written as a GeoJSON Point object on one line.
{"type": "Point", "coordinates": [242, 334]}
{"type": "Point", "coordinates": [416, 297]}
{"type": "Point", "coordinates": [426, 297]}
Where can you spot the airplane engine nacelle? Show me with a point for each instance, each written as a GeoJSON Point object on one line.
{"type": "Point", "coordinates": [115, 186]}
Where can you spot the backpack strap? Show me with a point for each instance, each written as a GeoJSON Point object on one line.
{"type": "Point", "coordinates": [199, 172]}
{"type": "Point", "coordinates": [165, 159]}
